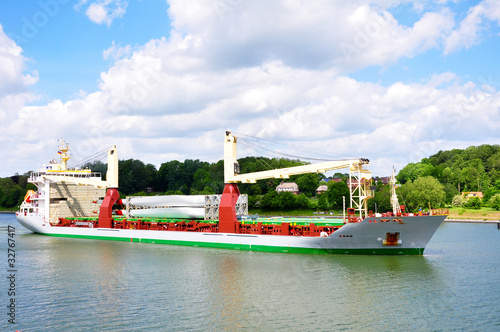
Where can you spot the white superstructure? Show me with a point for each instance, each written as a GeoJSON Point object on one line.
{"type": "Point", "coordinates": [64, 192]}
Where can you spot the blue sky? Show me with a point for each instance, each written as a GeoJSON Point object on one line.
{"type": "Point", "coordinates": [392, 81]}
{"type": "Point", "coordinates": [67, 50]}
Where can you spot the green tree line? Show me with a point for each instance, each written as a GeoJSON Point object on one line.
{"type": "Point", "coordinates": [173, 177]}
{"type": "Point", "coordinates": [192, 176]}
{"type": "Point", "coordinates": [13, 189]}
{"type": "Point", "coordinates": [435, 180]}
{"type": "Point", "coordinates": [446, 174]}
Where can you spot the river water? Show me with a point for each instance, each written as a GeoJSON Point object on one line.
{"type": "Point", "coordinates": [90, 285]}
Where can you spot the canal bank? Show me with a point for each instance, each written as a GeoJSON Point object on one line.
{"type": "Point", "coordinates": [472, 221]}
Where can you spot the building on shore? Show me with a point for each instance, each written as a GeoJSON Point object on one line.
{"type": "Point", "coordinates": [291, 187]}
{"type": "Point", "coordinates": [469, 194]}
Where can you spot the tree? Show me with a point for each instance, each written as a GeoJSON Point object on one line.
{"type": "Point", "coordinates": [170, 175]}
{"type": "Point", "coordinates": [201, 179]}
{"type": "Point", "coordinates": [134, 176]}
{"type": "Point", "coordinates": [302, 202]}
{"type": "Point", "coordinates": [152, 176]}
{"type": "Point", "coordinates": [256, 189]}
{"type": "Point", "coordinates": [489, 193]}
{"type": "Point", "coordinates": [206, 191]}
{"type": "Point", "coordinates": [474, 175]}
{"type": "Point", "coordinates": [13, 198]}
{"type": "Point", "coordinates": [254, 201]}
{"type": "Point", "coordinates": [11, 194]}
{"type": "Point", "coordinates": [268, 201]}
{"type": "Point", "coordinates": [382, 200]}
{"type": "Point", "coordinates": [421, 192]}
{"type": "Point", "coordinates": [473, 202]}
{"type": "Point", "coordinates": [495, 202]}
{"type": "Point", "coordinates": [190, 167]}
{"type": "Point", "coordinates": [335, 192]}
{"type": "Point", "coordinates": [286, 200]}
{"type": "Point", "coordinates": [217, 186]}
{"type": "Point", "coordinates": [308, 183]}
{"type": "Point", "coordinates": [450, 191]}
{"type": "Point", "coordinates": [448, 176]}
{"type": "Point", "coordinates": [413, 171]}
{"type": "Point", "coordinates": [216, 171]}
{"type": "Point", "coordinates": [323, 202]}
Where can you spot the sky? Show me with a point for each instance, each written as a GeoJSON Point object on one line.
{"type": "Point", "coordinates": [391, 81]}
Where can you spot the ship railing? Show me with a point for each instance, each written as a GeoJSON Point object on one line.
{"type": "Point", "coordinates": [440, 212]}
{"type": "Point", "coordinates": [93, 175]}
{"type": "Point", "coordinates": [33, 176]}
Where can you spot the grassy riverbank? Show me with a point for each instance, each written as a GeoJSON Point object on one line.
{"type": "Point", "coordinates": [484, 213]}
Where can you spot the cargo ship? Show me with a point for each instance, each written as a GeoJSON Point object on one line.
{"type": "Point", "coordinates": [78, 203]}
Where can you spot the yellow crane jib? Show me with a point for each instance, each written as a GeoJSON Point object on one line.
{"type": "Point", "coordinates": [232, 174]}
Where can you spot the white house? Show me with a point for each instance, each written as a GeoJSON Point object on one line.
{"type": "Point", "coordinates": [288, 186]}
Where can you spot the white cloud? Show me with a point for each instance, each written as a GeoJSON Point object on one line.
{"type": "Point", "coordinates": [183, 114]}
{"type": "Point", "coordinates": [437, 80]}
{"type": "Point", "coordinates": [97, 13]}
{"type": "Point", "coordinates": [13, 78]}
{"type": "Point", "coordinates": [14, 84]}
{"type": "Point", "coordinates": [14, 95]}
{"type": "Point", "coordinates": [116, 52]}
{"type": "Point", "coordinates": [469, 32]}
{"type": "Point", "coordinates": [253, 69]}
{"type": "Point", "coordinates": [320, 35]}
{"type": "Point", "coordinates": [103, 11]}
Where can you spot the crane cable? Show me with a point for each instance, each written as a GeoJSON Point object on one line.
{"type": "Point", "coordinates": [257, 144]}
{"type": "Point", "coordinates": [98, 156]}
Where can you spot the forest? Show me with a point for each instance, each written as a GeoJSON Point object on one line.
{"type": "Point", "coordinates": [441, 178]}
{"type": "Point", "coordinates": [437, 180]}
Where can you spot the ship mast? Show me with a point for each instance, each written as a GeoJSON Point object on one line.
{"type": "Point", "coordinates": [396, 208]}
{"type": "Point", "coordinates": [65, 156]}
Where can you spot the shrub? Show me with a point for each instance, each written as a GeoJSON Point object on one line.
{"type": "Point", "coordinates": [286, 201]}
{"type": "Point", "coordinates": [269, 200]}
{"type": "Point", "coordinates": [322, 202]}
{"type": "Point", "coordinates": [254, 201]}
{"type": "Point", "coordinates": [303, 202]}
{"type": "Point", "coordinates": [458, 201]}
{"type": "Point", "coordinates": [473, 202]}
{"type": "Point", "coordinates": [495, 202]}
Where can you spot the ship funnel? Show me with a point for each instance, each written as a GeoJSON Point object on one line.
{"type": "Point", "coordinates": [112, 174]}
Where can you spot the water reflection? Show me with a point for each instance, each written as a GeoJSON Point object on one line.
{"type": "Point", "coordinates": [281, 291]}
{"type": "Point", "coordinates": [69, 284]}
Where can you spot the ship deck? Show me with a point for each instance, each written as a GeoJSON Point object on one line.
{"type": "Point", "coordinates": [293, 226]}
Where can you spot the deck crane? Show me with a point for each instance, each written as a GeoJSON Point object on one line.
{"type": "Point", "coordinates": [359, 178]}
